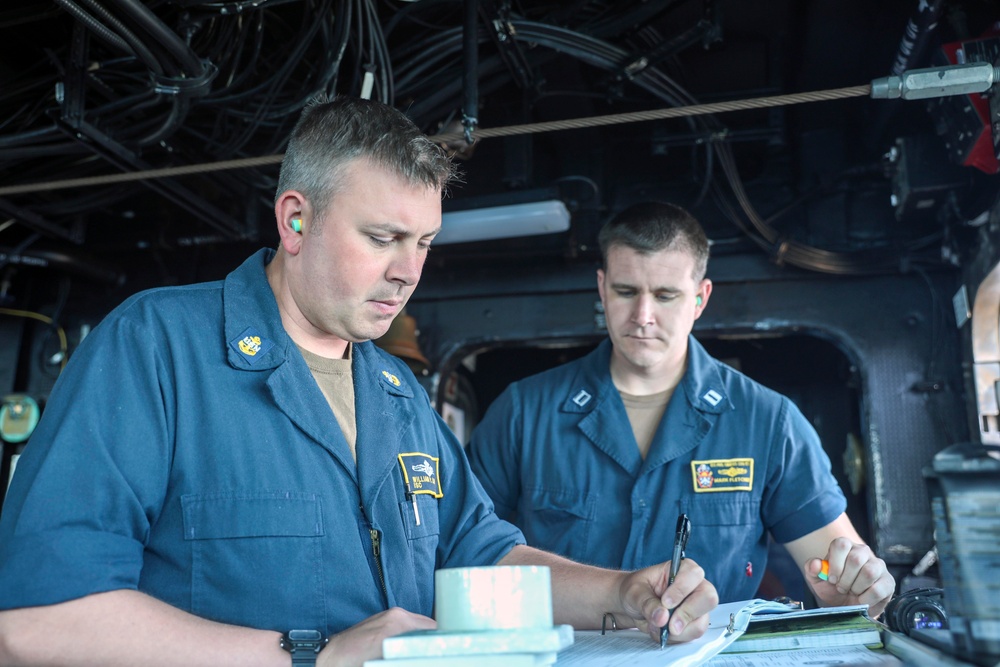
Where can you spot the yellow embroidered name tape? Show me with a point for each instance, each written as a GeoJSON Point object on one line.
{"type": "Point", "coordinates": [421, 474]}
{"type": "Point", "coordinates": [717, 475]}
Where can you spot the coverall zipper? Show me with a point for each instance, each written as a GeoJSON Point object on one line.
{"type": "Point", "coordinates": [376, 551]}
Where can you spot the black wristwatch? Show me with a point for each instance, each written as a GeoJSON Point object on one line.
{"type": "Point", "coordinates": [303, 645]}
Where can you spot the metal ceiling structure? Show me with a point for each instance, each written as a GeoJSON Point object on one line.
{"type": "Point", "coordinates": [110, 87]}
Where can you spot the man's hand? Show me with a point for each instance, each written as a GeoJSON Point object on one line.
{"type": "Point", "coordinates": [363, 641]}
{"type": "Point", "coordinates": [856, 576]}
{"type": "Point", "coordinates": [648, 600]}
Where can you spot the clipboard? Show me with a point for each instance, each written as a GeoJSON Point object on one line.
{"type": "Point", "coordinates": [727, 622]}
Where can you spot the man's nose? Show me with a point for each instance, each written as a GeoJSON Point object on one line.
{"type": "Point", "coordinates": [643, 312]}
{"type": "Point", "coordinates": [406, 267]}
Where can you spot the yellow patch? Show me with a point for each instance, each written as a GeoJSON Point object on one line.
{"type": "Point", "coordinates": [250, 345]}
{"type": "Point", "coordinates": [717, 475]}
{"type": "Point", "coordinates": [421, 474]}
{"type": "Point", "coordinates": [391, 378]}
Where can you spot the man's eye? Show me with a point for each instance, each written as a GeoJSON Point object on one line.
{"type": "Point", "coordinates": [666, 297]}
{"type": "Point", "coordinates": [380, 241]}
{"type": "Point", "coordinates": [625, 293]}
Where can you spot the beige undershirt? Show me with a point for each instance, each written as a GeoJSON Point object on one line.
{"type": "Point", "coordinates": [336, 381]}
{"type": "Point", "coordinates": [644, 414]}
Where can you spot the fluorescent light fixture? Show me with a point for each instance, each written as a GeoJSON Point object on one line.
{"type": "Point", "coordinates": [503, 222]}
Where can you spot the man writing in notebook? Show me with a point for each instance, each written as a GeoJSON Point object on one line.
{"type": "Point", "coordinates": [226, 463]}
{"type": "Point", "coordinates": [597, 458]}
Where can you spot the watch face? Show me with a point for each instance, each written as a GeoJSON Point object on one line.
{"type": "Point", "coordinates": [303, 643]}
{"type": "Point", "coordinates": [305, 635]}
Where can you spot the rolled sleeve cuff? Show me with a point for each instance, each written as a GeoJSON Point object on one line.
{"type": "Point", "coordinates": [52, 567]}
{"type": "Point", "coordinates": [494, 540]}
{"type": "Point", "coordinates": [819, 512]}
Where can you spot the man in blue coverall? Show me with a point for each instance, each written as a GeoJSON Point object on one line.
{"type": "Point", "coordinates": [597, 458]}
{"type": "Point", "coordinates": [225, 462]}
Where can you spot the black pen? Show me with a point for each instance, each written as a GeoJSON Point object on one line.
{"type": "Point", "coordinates": [680, 544]}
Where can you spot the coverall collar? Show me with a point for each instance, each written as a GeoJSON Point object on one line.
{"type": "Point", "coordinates": [256, 341]}
{"type": "Point", "coordinates": [698, 400]}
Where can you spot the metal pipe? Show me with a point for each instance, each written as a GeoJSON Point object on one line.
{"type": "Point", "coordinates": [470, 44]}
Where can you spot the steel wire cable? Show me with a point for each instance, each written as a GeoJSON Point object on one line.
{"type": "Point", "coordinates": [484, 133]}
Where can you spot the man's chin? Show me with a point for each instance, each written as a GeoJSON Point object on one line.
{"type": "Point", "coordinates": [372, 332]}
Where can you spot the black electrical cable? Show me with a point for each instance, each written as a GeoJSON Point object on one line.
{"type": "Point", "coordinates": [13, 254]}
{"type": "Point", "coordinates": [706, 180]}
{"type": "Point", "coordinates": [644, 13]}
{"type": "Point", "coordinates": [96, 27]}
{"type": "Point", "coordinates": [135, 46]}
{"type": "Point", "coordinates": [178, 112]}
{"type": "Point", "coordinates": [340, 41]}
{"type": "Point", "coordinates": [267, 88]}
{"type": "Point", "coordinates": [278, 81]}
{"type": "Point", "coordinates": [227, 52]}
{"type": "Point", "coordinates": [31, 152]}
{"type": "Point", "coordinates": [382, 48]}
{"type": "Point", "coordinates": [164, 36]}
{"type": "Point", "coordinates": [129, 104]}
{"type": "Point", "coordinates": [403, 13]}
{"type": "Point", "coordinates": [492, 76]}
{"type": "Point", "coordinates": [443, 49]}
{"type": "Point", "coordinates": [29, 137]}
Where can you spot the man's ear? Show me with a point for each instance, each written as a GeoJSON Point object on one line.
{"type": "Point", "coordinates": [701, 300]}
{"type": "Point", "coordinates": [292, 214]}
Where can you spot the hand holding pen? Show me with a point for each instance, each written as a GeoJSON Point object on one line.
{"type": "Point", "coordinates": [681, 535]}
{"type": "Point", "coordinates": [675, 594]}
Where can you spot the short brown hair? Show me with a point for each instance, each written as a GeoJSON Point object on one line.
{"type": "Point", "coordinates": [332, 133]}
{"type": "Point", "coordinates": [650, 227]}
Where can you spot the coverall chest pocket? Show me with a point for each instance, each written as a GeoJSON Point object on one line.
{"type": "Point", "coordinates": [558, 520]}
{"type": "Point", "coordinates": [422, 529]}
{"type": "Point", "coordinates": [726, 535]}
{"type": "Point", "coordinates": [421, 522]}
{"type": "Point", "coordinates": [263, 549]}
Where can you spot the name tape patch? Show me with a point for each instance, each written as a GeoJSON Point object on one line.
{"type": "Point", "coordinates": [421, 474]}
{"type": "Point", "coordinates": [722, 475]}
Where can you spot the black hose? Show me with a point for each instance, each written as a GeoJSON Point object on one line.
{"type": "Point", "coordinates": [178, 112]}
{"type": "Point", "coordinates": [163, 35]}
{"type": "Point", "coordinates": [138, 49]}
{"type": "Point", "coordinates": [95, 26]}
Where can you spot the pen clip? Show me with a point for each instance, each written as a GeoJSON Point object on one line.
{"type": "Point", "coordinates": [683, 531]}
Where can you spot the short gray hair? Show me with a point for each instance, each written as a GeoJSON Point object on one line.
{"type": "Point", "coordinates": [330, 134]}
{"type": "Point", "coordinates": [650, 227]}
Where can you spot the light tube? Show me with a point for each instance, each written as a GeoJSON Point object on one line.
{"type": "Point", "coordinates": [503, 222]}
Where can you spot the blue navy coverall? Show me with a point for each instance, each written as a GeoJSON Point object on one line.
{"type": "Point", "coordinates": [187, 452]}
{"type": "Point", "coordinates": [557, 455]}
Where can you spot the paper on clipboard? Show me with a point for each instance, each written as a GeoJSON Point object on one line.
{"type": "Point", "coordinates": [632, 648]}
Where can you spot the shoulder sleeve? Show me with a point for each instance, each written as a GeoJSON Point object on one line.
{"type": "Point", "coordinates": [92, 476]}
{"type": "Point", "coordinates": [471, 532]}
{"type": "Point", "coordinates": [802, 494]}
{"type": "Point", "coordinates": [495, 451]}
